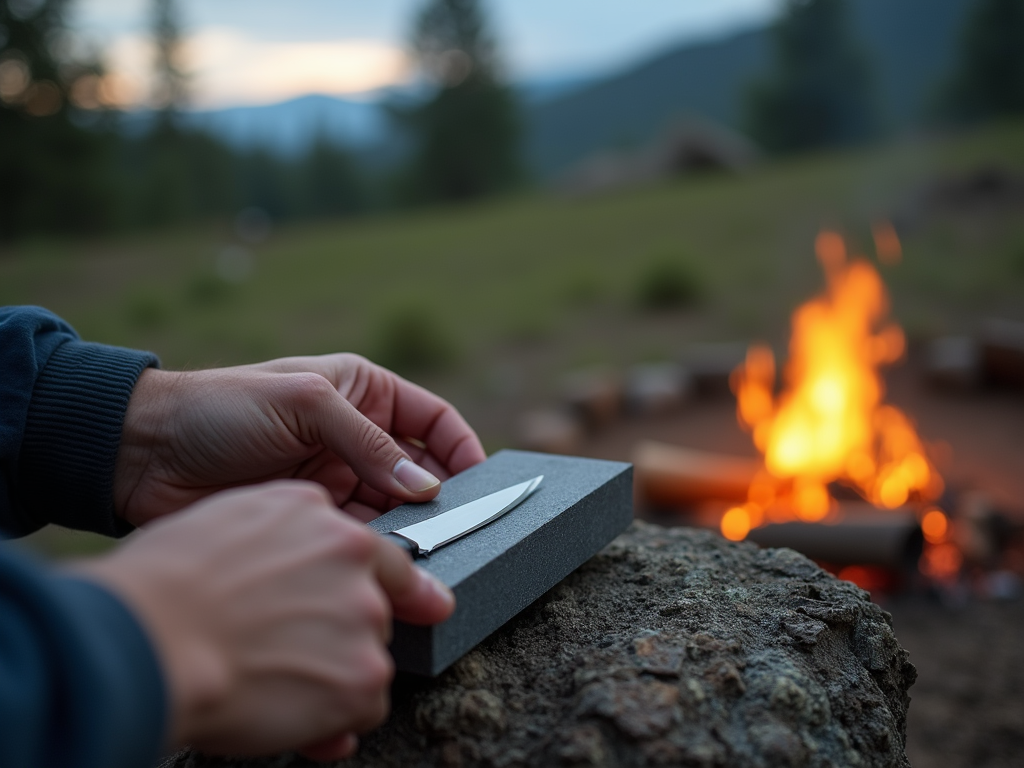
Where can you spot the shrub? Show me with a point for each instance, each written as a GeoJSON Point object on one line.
{"type": "Point", "coordinates": [146, 309]}
{"type": "Point", "coordinates": [412, 340]}
{"type": "Point", "coordinates": [669, 284]}
{"type": "Point", "coordinates": [206, 289]}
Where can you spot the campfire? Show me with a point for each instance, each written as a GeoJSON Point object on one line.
{"type": "Point", "coordinates": [843, 475]}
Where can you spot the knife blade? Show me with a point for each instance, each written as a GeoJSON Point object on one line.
{"type": "Point", "coordinates": [424, 537]}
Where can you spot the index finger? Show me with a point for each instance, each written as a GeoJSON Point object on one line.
{"type": "Point", "coordinates": [423, 416]}
{"type": "Point", "coordinates": [416, 596]}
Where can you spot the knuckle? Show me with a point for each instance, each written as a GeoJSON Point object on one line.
{"type": "Point", "coordinates": [374, 711]}
{"type": "Point", "coordinates": [373, 608]}
{"type": "Point", "coordinates": [376, 670]}
{"type": "Point", "coordinates": [354, 542]}
{"type": "Point", "coordinates": [353, 360]}
{"type": "Point", "coordinates": [362, 691]}
{"type": "Point", "coordinates": [299, 491]}
{"type": "Point", "coordinates": [286, 497]}
{"type": "Point", "coordinates": [375, 442]}
{"type": "Point", "coordinates": [310, 389]}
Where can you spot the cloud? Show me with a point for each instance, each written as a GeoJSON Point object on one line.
{"type": "Point", "coordinates": [227, 67]}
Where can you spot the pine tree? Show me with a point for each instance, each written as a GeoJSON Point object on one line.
{"type": "Point", "coordinates": [170, 83]}
{"type": "Point", "coordinates": [820, 94]}
{"type": "Point", "coordinates": [990, 78]}
{"type": "Point", "coordinates": [466, 137]}
{"type": "Point", "coordinates": [51, 169]}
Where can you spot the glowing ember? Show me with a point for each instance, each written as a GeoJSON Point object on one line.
{"type": "Point", "coordinates": [866, 577]}
{"type": "Point", "coordinates": [737, 522]}
{"type": "Point", "coordinates": [934, 526]}
{"type": "Point", "coordinates": [830, 423]}
{"type": "Point", "coordinates": [941, 561]}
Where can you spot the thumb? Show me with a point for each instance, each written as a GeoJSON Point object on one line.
{"type": "Point", "coordinates": [371, 452]}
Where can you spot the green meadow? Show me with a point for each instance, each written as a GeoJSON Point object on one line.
{"type": "Point", "coordinates": [521, 268]}
{"type": "Point", "coordinates": [491, 304]}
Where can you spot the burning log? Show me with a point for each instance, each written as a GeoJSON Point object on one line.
{"type": "Point", "coordinates": [864, 536]}
{"type": "Point", "coordinates": [668, 475]}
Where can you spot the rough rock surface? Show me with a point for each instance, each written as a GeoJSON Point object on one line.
{"type": "Point", "coordinates": [672, 647]}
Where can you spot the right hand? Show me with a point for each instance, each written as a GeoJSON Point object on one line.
{"type": "Point", "coordinates": [271, 612]}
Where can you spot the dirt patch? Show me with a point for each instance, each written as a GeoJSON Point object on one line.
{"type": "Point", "coordinates": [967, 708]}
{"type": "Point", "coordinates": [672, 647]}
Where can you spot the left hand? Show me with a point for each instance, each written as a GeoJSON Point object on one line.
{"type": "Point", "coordinates": [371, 438]}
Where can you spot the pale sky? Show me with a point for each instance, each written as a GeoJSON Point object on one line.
{"type": "Point", "coordinates": [261, 51]}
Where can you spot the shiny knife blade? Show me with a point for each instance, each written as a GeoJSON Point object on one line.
{"type": "Point", "coordinates": [446, 527]}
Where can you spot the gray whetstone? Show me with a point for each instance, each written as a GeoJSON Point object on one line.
{"type": "Point", "coordinates": [499, 570]}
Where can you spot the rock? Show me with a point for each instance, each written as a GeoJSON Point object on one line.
{"type": "Point", "coordinates": [594, 395]}
{"type": "Point", "coordinates": [954, 363]}
{"type": "Point", "coordinates": [711, 365]}
{"type": "Point", "coordinates": [549, 431]}
{"type": "Point", "coordinates": [656, 389]}
{"type": "Point", "coordinates": [1002, 351]}
{"type": "Point", "coordinates": [672, 647]}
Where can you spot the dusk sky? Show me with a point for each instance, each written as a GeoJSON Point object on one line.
{"type": "Point", "coordinates": [261, 51]}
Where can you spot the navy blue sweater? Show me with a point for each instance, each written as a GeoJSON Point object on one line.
{"type": "Point", "coordinates": [80, 684]}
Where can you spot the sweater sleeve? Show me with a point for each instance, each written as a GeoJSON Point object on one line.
{"type": "Point", "coordinates": [62, 406]}
{"type": "Point", "coordinates": [80, 685]}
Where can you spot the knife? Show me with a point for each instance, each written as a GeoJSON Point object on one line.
{"type": "Point", "coordinates": [424, 537]}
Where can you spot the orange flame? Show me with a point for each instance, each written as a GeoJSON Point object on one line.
{"type": "Point", "coordinates": [830, 422]}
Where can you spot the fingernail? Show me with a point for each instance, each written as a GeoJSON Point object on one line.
{"type": "Point", "coordinates": [414, 477]}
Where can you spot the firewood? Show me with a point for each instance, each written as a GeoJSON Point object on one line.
{"type": "Point", "coordinates": [863, 535]}
{"type": "Point", "coordinates": [669, 475]}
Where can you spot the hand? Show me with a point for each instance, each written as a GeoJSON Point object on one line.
{"type": "Point", "coordinates": [370, 437]}
{"type": "Point", "coordinates": [271, 613]}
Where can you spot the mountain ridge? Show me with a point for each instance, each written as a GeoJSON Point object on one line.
{"type": "Point", "coordinates": [911, 45]}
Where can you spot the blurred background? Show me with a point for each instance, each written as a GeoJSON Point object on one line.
{"type": "Point", "coordinates": [570, 219]}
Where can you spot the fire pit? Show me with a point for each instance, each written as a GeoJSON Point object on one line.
{"type": "Point", "coordinates": [843, 475]}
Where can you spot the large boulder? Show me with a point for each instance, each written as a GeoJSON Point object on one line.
{"type": "Point", "coordinates": [672, 647]}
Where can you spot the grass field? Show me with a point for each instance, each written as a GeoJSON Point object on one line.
{"type": "Point", "coordinates": [510, 295]}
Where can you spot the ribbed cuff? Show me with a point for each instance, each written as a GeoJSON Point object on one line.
{"type": "Point", "coordinates": [119, 682]}
{"type": "Point", "coordinates": [72, 434]}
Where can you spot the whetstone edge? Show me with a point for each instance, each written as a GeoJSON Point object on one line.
{"type": "Point", "coordinates": [499, 570]}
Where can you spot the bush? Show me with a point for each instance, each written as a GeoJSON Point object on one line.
{"type": "Point", "coordinates": [412, 340]}
{"type": "Point", "coordinates": [147, 309]}
{"type": "Point", "coordinates": [669, 284]}
{"type": "Point", "coordinates": [206, 289]}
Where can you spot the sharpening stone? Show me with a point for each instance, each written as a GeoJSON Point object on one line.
{"type": "Point", "coordinates": [498, 570]}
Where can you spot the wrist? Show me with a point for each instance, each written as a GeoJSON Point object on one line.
{"type": "Point", "coordinates": [146, 427]}
{"type": "Point", "coordinates": [162, 599]}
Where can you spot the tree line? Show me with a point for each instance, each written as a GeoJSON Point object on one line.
{"type": "Point", "coordinates": [822, 93]}
{"type": "Point", "coordinates": [68, 167]}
